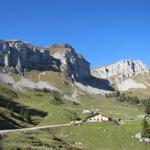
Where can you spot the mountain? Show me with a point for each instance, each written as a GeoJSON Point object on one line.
{"type": "Point", "coordinates": [72, 63]}
{"type": "Point", "coordinates": [52, 85]}
{"type": "Point", "coordinates": [124, 68]}
{"type": "Point", "coordinates": [23, 59]}
{"type": "Point", "coordinates": [17, 56]}
{"type": "Point", "coordinates": [125, 74]}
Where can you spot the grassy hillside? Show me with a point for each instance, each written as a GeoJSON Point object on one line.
{"type": "Point", "coordinates": [96, 136]}
{"type": "Point", "coordinates": [141, 78]}
{"type": "Point", "coordinates": [57, 110]}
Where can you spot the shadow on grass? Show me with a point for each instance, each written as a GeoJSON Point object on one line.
{"type": "Point", "coordinates": [8, 103]}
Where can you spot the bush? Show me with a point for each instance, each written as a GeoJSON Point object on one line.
{"type": "Point", "coordinates": [45, 90]}
{"type": "Point", "coordinates": [147, 107]}
{"type": "Point", "coordinates": [146, 129]}
{"type": "Point", "coordinates": [133, 100]}
{"type": "Point", "coordinates": [115, 94]}
{"type": "Point", "coordinates": [147, 110]}
{"type": "Point", "coordinates": [57, 98]}
{"type": "Point", "coordinates": [76, 103]}
{"type": "Point", "coordinates": [12, 111]}
{"type": "Point", "coordinates": [25, 114]}
{"type": "Point", "coordinates": [128, 99]}
{"type": "Point", "coordinates": [122, 98]}
{"type": "Point", "coordinates": [22, 113]}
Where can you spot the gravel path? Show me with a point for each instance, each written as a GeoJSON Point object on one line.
{"type": "Point", "coordinates": [33, 128]}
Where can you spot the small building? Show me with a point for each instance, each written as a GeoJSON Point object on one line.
{"type": "Point", "coordinates": [96, 118]}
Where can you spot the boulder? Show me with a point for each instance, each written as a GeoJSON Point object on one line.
{"type": "Point", "coordinates": [142, 139]}
{"type": "Point", "coordinates": [86, 111]}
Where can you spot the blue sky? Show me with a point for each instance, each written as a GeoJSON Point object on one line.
{"type": "Point", "coordinates": [103, 31]}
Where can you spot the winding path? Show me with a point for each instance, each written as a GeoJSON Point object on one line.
{"type": "Point", "coordinates": [33, 128]}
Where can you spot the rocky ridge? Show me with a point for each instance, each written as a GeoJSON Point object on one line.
{"type": "Point", "coordinates": [123, 68]}
{"type": "Point", "coordinates": [71, 62]}
{"type": "Point", "coordinates": [17, 56]}
{"type": "Point", "coordinates": [20, 57]}
{"type": "Point", "coordinates": [122, 74]}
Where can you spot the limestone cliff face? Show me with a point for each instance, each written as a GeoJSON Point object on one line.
{"type": "Point", "coordinates": [124, 68]}
{"type": "Point", "coordinates": [72, 63]}
{"type": "Point", "coordinates": [20, 56]}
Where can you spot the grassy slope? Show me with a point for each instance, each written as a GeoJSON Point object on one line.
{"type": "Point", "coordinates": [105, 135]}
{"type": "Point", "coordinates": [95, 136]}
{"type": "Point", "coordinates": [65, 112]}
{"type": "Point", "coordinates": [87, 136]}
{"type": "Point", "coordinates": [141, 93]}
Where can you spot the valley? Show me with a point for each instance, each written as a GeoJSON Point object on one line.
{"type": "Point", "coordinates": [41, 96]}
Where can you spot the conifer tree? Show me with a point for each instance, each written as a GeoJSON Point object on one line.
{"type": "Point", "coordinates": [146, 129]}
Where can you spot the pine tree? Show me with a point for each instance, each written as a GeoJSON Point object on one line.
{"type": "Point", "coordinates": [12, 110]}
{"type": "Point", "coordinates": [8, 106]}
{"type": "Point", "coordinates": [146, 129]}
{"type": "Point", "coordinates": [147, 107]}
{"type": "Point", "coordinates": [22, 114]}
{"type": "Point", "coordinates": [27, 115]}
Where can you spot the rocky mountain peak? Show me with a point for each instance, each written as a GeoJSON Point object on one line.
{"type": "Point", "coordinates": [60, 48]}
{"type": "Point", "coordinates": [71, 62]}
{"type": "Point", "coordinates": [125, 68]}
{"type": "Point", "coordinates": [19, 55]}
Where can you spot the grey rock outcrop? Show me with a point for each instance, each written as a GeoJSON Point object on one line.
{"type": "Point", "coordinates": [124, 68]}
{"type": "Point", "coordinates": [21, 56]}
{"type": "Point", "coordinates": [71, 62]}
{"type": "Point", "coordinates": [141, 138]}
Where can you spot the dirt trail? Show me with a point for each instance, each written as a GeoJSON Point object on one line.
{"type": "Point", "coordinates": [33, 128]}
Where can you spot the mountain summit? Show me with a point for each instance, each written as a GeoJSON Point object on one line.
{"type": "Point", "coordinates": [17, 56]}
{"type": "Point", "coordinates": [124, 68]}
{"type": "Point", "coordinates": [125, 74]}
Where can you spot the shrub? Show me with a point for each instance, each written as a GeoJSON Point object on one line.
{"type": "Point", "coordinates": [147, 107]}
{"type": "Point", "coordinates": [133, 100]}
{"type": "Point", "coordinates": [128, 99]}
{"type": "Point", "coordinates": [121, 98]}
{"type": "Point", "coordinates": [146, 129]}
{"type": "Point", "coordinates": [45, 90]}
{"type": "Point", "coordinates": [115, 94]}
{"type": "Point", "coordinates": [12, 111]}
{"type": "Point", "coordinates": [57, 98]}
{"type": "Point", "coordinates": [25, 114]}
{"type": "Point", "coordinates": [76, 103]}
